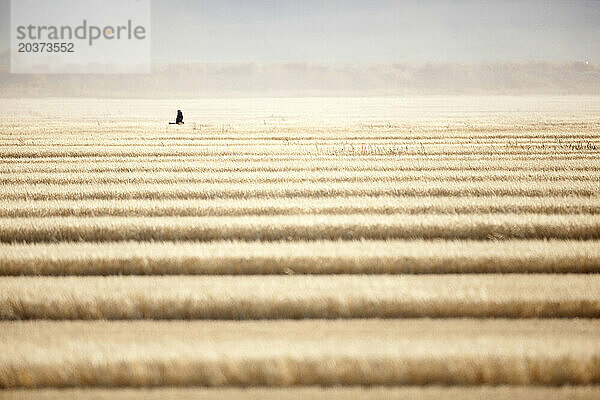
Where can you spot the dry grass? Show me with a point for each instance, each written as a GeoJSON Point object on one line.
{"type": "Point", "coordinates": [291, 353]}
{"type": "Point", "coordinates": [449, 148]}
{"type": "Point", "coordinates": [160, 191]}
{"type": "Point", "coordinates": [301, 205]}
{"type": "Point", "coordinates": [276, 164]}
{"type": "Point", "coordinates": [329, 393]}
{"type": "Point", "coordinates": [270, 296]}
{"type": "Point", "coordinates": [464, 207]}
{"type": "Point", "coordinates": [302, 227]}
{"type": "Point", "coordinates": [296, 176]}
{"type": "Point", "coordinates": [317, 257]}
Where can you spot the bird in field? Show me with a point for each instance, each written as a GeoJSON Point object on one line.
{"type": "Point", "coordinates": [178, 119]}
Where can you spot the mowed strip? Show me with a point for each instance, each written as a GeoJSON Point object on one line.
{"type": "Point", "coordinates": [178, 190]}
{"type": "Point", "coordinates": [40, 354]}
{"type": "Point", "coordinates": [116, 141]}
{"type": "Point", "coordinates": [301, 296]}
{"type": "Point", "coordinates": [346, 136]}
{"type": "Point", "coordinates": [296, 176]}
{"type": "Point", "coordinates": [408, 131]}
{"type": "Point", "coordinates": [319, 257]}
{"type": "Point", "coordinates": [302, 227]}
{"type": "Point", "coordinates": [434, 392]}
{"type": "Point", "coordinates": [301, 205]}
{"type": "Point", "coordinates": [276, 164]}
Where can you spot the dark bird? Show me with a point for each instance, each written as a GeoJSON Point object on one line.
{"type": "Point", "coordinates": [178, 119]}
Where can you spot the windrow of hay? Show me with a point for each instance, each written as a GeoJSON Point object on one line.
{"type": "Point", "coordinates": [20, 151]}
{"type": "Point", "coordinates": [178, 190]}
{"type": "Point", "coordinates": [313, 160]}
{"type": "Point", "coordinates": [302, 296]}
{"type": "Point", "coordinates": [319, 257]}
{"type": "Point", "coordinates": [304, 129]}
{"type": "Point", "coordinates": [99, 148]}
{"type": "Point", "coordinates": [291, 353]}
{"type": "Point", "coordinates": [301, 205]}
{"type": "Point", "coordinates": [302, 227]}
{"type": "Point", "coordinates": [190, 164]}
{"type": "Point", "coordinates": [116, 133]}
{"type": "Point", "coordinates": [269, 144]}
{"type": "Point", "coordinates": [560, 177]}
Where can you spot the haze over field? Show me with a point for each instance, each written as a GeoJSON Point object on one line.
{"type": "Point", "coordinates": [306, 79]}
{"type": "Point", "coordinates": [340, 48]}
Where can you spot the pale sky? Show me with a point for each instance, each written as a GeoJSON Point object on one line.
{"type": "Point", "coordinates": [375, 31]}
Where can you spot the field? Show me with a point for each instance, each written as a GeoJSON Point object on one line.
{"type": "Point", "coordinates": [417, 247]}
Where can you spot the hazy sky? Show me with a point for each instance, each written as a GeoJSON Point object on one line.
{"type": "Point", "coordinates": [370, 31]}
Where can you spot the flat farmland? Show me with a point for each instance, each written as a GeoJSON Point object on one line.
{"type": "Point", "coordinates": [301, 246]}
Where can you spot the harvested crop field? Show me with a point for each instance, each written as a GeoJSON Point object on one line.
{"type": "Point", "coordinates": [425, 247]}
